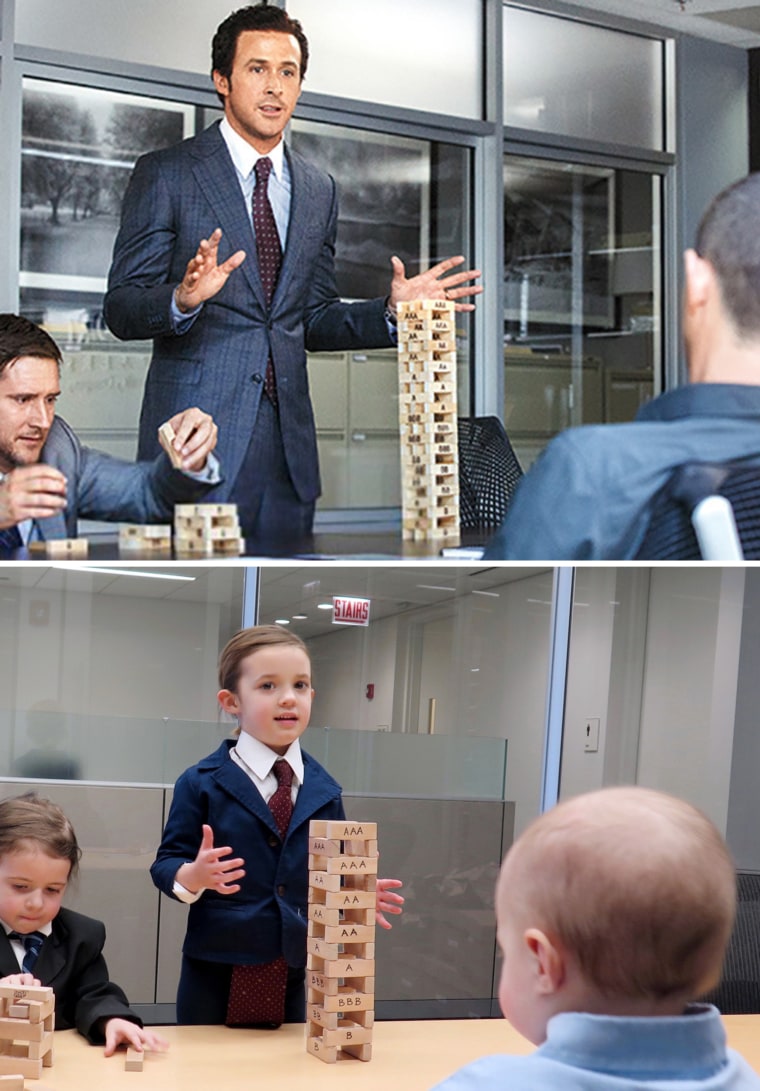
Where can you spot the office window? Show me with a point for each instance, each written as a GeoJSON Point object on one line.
{"type": "Point", "coordinates": [583, 284]}
{"type": "Point", "coordinates": [580, 80]}
{"type": "Point", "coordinates": [427, 55]}
{"type": "Point", "coordinates": [79, 145]}
{"type": "Point", "coordinates": [398, 195]}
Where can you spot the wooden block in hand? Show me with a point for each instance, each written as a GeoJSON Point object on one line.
{"type": "Point", "coordinates": [134, 1061]}
{"type": "Point", "coordinates": [166, 437]}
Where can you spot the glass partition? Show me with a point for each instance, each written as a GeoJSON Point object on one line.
{"type": "Point", "coordinates": [100, 672]}
{"type": "Point", "coordinates": [583, 296]}
{"type": "Point", "coordinates": [575, 79]}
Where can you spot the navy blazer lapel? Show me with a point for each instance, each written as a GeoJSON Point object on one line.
{"type": "Point", "coordinates": [233, 780]}
{"type": "Point", "coordinates": [217, 179]}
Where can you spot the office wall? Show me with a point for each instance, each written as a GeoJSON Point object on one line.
{"type": "Point", "coordinates": [667, 697]}
{"type": "Point", "coordinates": [496, 675]}
{"type": "Point", "coordinates": [743, 830]}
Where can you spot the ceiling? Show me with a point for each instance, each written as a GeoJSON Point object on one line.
{"type": "Point", "coordinates": [285, 590]}
{"type": "Point", "coordinates": [392, 589]}
{"type": "Point", "coordinates": [734, 22]}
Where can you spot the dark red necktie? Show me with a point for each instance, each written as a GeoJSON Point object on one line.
{"type": "Point", "coordinates": [257, 993]}
{"type": "Point", "coordinates": [268, 249]}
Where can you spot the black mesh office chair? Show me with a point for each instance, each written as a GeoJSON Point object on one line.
{"type": "Point", "coordinates": [488, 472]}
{"type": "Point", "coordinates": [739, 990]}
{"type": "Point", "coordinates": [706, 511]}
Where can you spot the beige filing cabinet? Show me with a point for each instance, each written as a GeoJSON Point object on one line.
{"type": "Point", "coordinates": [355, 397]}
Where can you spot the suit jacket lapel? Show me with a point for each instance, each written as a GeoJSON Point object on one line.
{"type": "Point", "coordinates": [52, 958]}
{"type": "Point", "coordinates": [8, 960]}
{"type": "Point", "coordinates": [233, 780]}
{"type": "Point", "coordinates": [217, 179]}
{"type": "Point", "coordinates": [301, 208]}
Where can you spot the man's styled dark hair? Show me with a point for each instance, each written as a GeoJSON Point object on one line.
{"type": "Point", "coordinates": [20, 337]}
{"type": "Point", "coordinates": [728, 237]}
{"type": "Point", "coordinates": [255, 17]}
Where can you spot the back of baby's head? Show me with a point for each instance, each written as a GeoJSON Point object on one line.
{"type": "Point", "coordinates": [29, 821]}
{"type": "Point", "coordinates": [637, 886]}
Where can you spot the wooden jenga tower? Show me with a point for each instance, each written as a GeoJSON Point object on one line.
{"type": "Point", "coordinates": [340, 972]}
{"type": "Point", "coordinates": [27, 1019]}
{"type": "Point", "coordinates": [209, 530]}
{"type": "Point", "coordinates": [428, 419]}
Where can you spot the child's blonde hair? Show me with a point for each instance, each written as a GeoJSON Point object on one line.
{"type": "Point", "coordinates": [31, 820]}
{"type": "Point", "coordinates": [638, 887]}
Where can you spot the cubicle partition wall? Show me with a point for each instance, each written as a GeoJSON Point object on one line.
{"type": "Point", "coordinates": [442, 830]}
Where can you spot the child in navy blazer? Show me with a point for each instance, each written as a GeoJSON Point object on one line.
{"type": "Point", "coordinates": [38, 855]}
{"type": "Point", "coordinates": [222, 852]}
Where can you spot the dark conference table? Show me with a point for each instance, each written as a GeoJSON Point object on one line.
{"type": "Point", "coordinates": [385, 545]}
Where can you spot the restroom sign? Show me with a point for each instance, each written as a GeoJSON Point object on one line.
{"type": "Point", "coordinates": [350, 611]}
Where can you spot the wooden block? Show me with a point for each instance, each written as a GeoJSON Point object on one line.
{"type": "Point", "coordinates": [13, 1065]}
{"type": "Point", "coordinates": [318, 981]}
{"type": "Point", "coordinates": [351, 865]}
{"type": "Point", "coordinates": [12, 1083]}
{"type": "Point", "coordinates": [134, 1061]}
{"type": "Point", "coordinates": [61, 547]}
{"type": "Point", "coordinates": [316, 945]}
{"type": "Point", "coordinates": [166, 437]}
{"type": "Point", "coordinates": [22, 1030]}
{"type": "Point", "coordinates": [323, 880]}
{"type": "Point", "coordinates": [349, 932]}
{"type": "Point", "coordinates": [343, 1000]}
{"type": "Point", "coordinates": [328, 1054]}
{"type": "Point", "coordinates": [19, 993]}
{"type": "Point", "coordinates": [19, 1011]}
{"type": "Point", "coordinates": [343, 829]}
{"type": "Point", "coordinates": [345, 967]}
{"type": "Point", "coordinates": [349, 899]}
{"type": "Point", "coordinates": [317, 1014]}
{"type": "Point", "coordinates": [37, 1050]}
{"type": "Point", "coordinates": [346, 1033]}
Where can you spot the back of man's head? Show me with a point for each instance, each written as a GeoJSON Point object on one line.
{"type": "Point", "coordinates": [20, 337]}
{"type": "Point", "coordinates": [636, 886]}
{"type": "Point", "coordinates": [729, 238]}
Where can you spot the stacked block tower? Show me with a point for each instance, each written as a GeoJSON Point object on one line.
{"type": "Point", "coordinates": [340, 968]}
{"type": "Point", "coordinates": [27, 1019]}
{"type": "Point", "coordinates": [209, 530]}
{"type": "Point", "coordinates": [428, 419]}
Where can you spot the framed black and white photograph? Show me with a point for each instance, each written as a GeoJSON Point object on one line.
{"type": "Point", "coordinates": [79, 146]}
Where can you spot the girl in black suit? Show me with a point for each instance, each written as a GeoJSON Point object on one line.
{"type": "Point", "coordinates": [38, 855]}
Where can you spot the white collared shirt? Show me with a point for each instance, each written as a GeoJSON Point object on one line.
{"type": "Point", "coordinates": [244, 158]}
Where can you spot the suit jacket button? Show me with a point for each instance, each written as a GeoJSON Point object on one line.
{"type": "Point", "coordinates": [273, 841]}
{"type": "Point", "coordinates": [281, 890]}
{"type": "Point", "coordinates": [257, 378]}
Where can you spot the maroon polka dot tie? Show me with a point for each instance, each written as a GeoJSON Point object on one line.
{"type": "Point", "coordinates": [257, 993]}
{"type": "Point", "coordinates": [268, 249]}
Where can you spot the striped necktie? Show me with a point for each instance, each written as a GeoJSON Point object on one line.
{"type": "Point", "coordinates": [32, 942]}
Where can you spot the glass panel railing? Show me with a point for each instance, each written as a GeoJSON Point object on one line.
{"type": "Point", "coordinates": [126, 750]}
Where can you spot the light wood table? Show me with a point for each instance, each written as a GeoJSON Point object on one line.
{"type": "Point", "coordinates": [413, 1055]}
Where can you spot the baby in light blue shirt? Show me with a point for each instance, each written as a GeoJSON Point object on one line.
{"type": "Point", "coordinates": [613, 913]}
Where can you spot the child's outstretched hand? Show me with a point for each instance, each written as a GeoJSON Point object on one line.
{"type": "Point", "coordinates": [20, 979]}
{"type": "Point", "coordinates": [387, 901]}
{"type": "Point", "coordinates": [209, 871]}
{"type": "Point", "coordinates": [121, 1030]}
